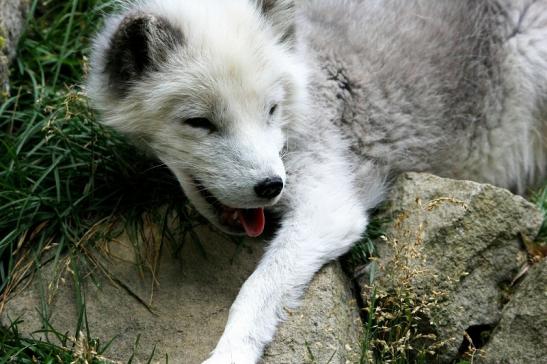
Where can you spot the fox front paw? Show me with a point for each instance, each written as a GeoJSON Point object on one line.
{"type": "Point", "coordinates": [231, 358]}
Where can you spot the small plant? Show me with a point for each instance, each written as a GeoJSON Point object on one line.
{"type": "Point", "coordinates": [396, 329]}
{"type": "Point", "coordinates": [73, 350]}
{"type": "Point", "coordinates": [540, 199]}
{"type": "Point", "coordinates": [397, 313]}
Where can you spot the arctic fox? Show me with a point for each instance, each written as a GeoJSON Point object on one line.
{"type": "Point", "coordinates": [309, 108]}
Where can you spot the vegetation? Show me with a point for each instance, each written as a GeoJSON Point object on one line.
{"type": "Point", "coordinates": [540, 199]}
{"type": "Point", "coordinates": [16, 349]}
{"type": "Point", "coordinates": [395, 329]}
{"type": "Point", "coordinates": [61, 173]}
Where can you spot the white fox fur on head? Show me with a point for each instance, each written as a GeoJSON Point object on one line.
{"type": "Point", "coordinates": [208, 87]}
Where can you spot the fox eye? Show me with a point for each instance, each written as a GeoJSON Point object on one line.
{"type": "Point", "coordinates": [273, 109]}
{"type": "Point", "coordinates": [201, 123]}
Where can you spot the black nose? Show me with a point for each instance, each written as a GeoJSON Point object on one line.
{"type": "Point", "coordinates": [269, 188]}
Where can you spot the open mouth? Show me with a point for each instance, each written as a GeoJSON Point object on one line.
{"type": "Point", "coordinates": [238, 220]}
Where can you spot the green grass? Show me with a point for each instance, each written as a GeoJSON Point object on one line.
{"type": "Point", "coordinates": [79, 349]}
{"type": "Point", "coordinates": [61, 172]}
{"type": "Point", "coordinates": [18, 349]}
{"type": "Point", "coordinates": [540, 199]}
{"type": "Point", "coordinates": [361, 252]}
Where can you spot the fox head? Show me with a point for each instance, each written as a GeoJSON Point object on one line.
{"type": "Point", "coordinates": [209, 87]}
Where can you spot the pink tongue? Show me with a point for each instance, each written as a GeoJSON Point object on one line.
{"type": "Point", "coordinates": [253, 221]}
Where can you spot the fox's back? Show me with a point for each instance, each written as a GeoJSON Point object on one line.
{"type": "Point", "coordinates": [436, 85]}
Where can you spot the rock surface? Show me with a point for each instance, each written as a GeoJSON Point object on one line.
{"type": "Point", "coordinates": [185, 314]}
{"type": "Point", "coordinates": [458, 242]}
{"type": "Point", "coordinates": [325, 330]}
{"type": "Point", "coordinates": [12, 15]}
{"type": "Point", "coordinates": [521, 335]}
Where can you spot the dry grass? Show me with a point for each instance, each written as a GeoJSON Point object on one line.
{"type": "Point", "coordinates": [398, 329]}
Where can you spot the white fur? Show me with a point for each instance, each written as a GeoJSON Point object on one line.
{"type": "Point", "coordinates": [320, 227]}
{"type": "Point", "coordinates": [231, 68]}
{"type": "Point", "coordinates": [358, 103]}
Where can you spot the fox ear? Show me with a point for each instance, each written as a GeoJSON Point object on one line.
{"type": "Point", "coordinates": [140, 44]}
{"type": "Point", "coordinates": [281, 14]}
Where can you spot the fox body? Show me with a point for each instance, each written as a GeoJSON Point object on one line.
{"type": "Point", "coordinates": [309, 108]}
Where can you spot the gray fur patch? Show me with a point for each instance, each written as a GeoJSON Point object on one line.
{"type": "Point", "coordinates": [282, 14]}
{"type": "Point", "coordinates": [141, 43]}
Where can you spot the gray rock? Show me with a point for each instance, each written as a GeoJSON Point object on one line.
{"type": "Point", "coordinates": [325, 329]}
{"type": "Point", "coordinates": [457, 245]}
{"type": "Point", "coordinates": [184, 314]}
{"type": "Point", "coordinates": [12, 20]}
{"type": "Point", "coordinates": [521, 335]}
